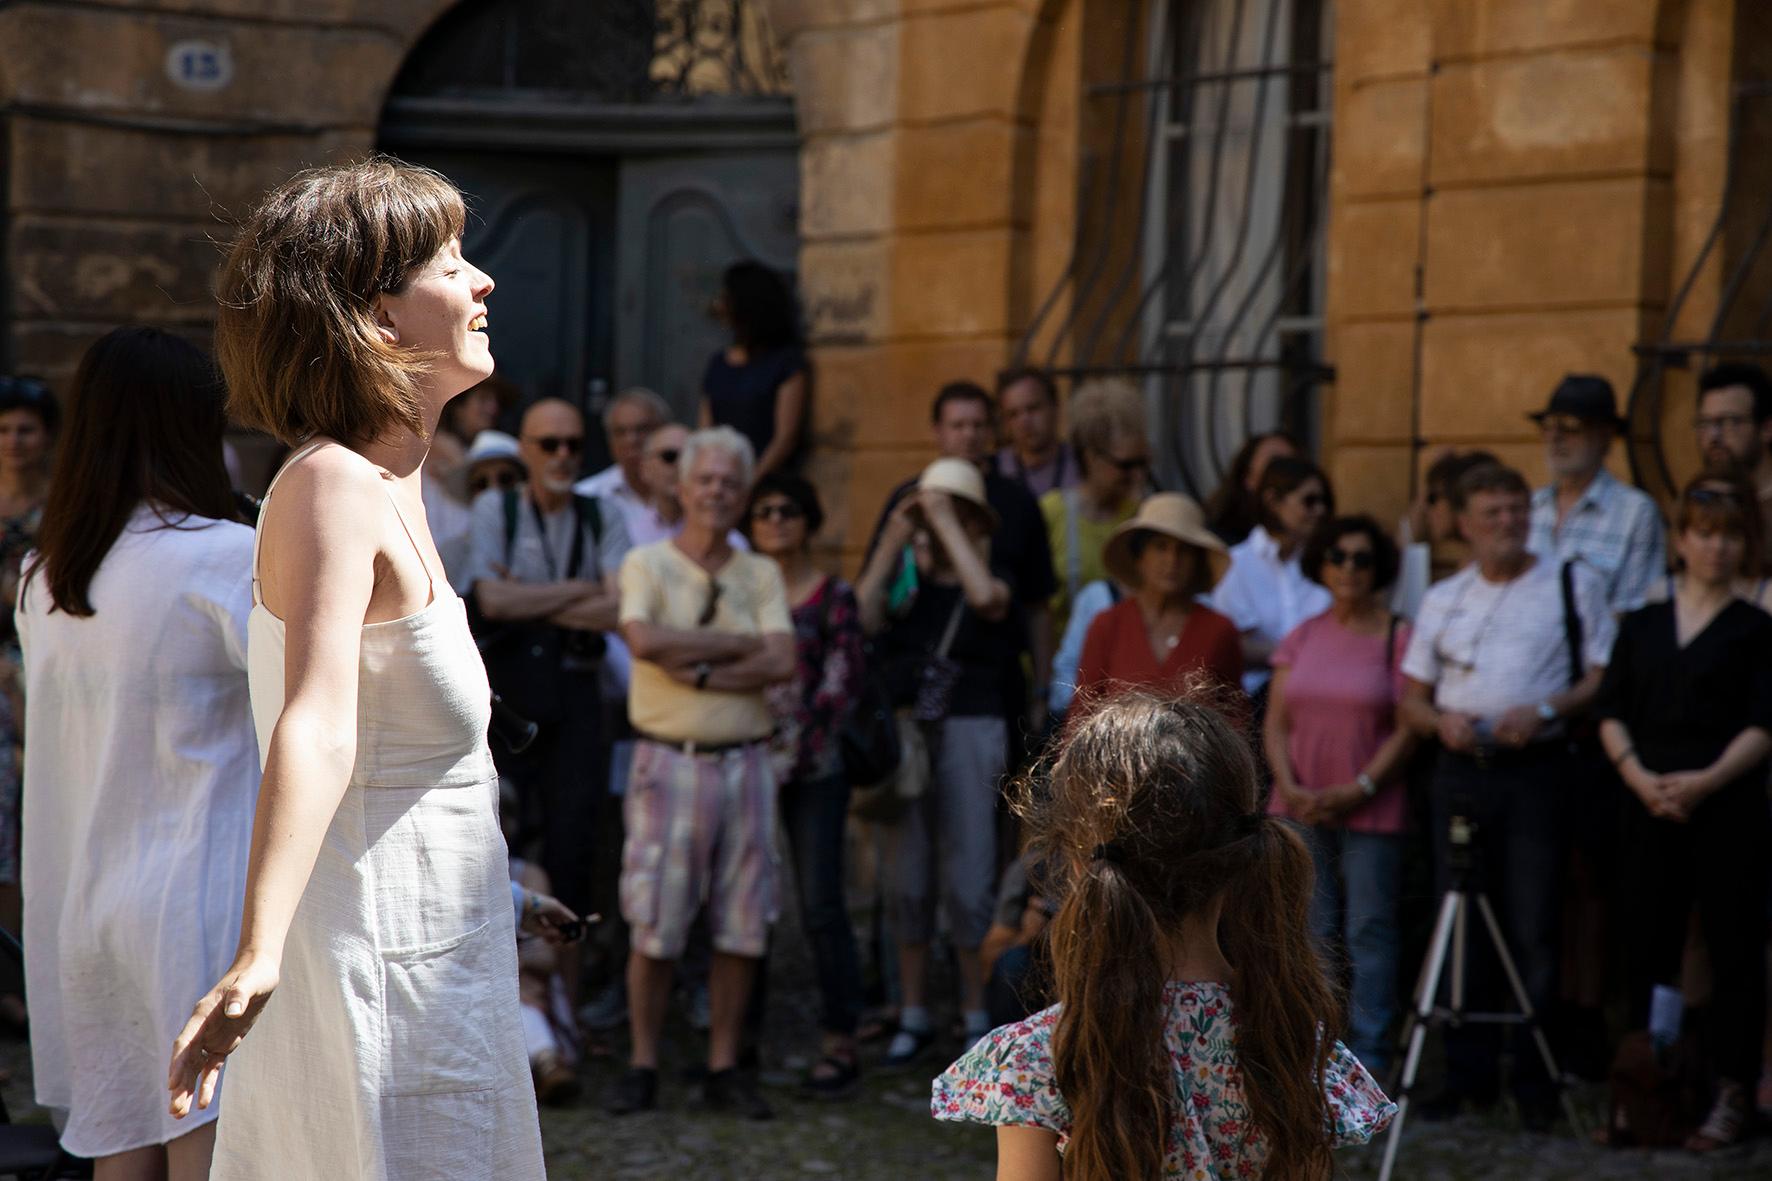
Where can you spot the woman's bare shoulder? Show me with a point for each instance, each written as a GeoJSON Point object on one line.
{"type": "Point", "coordinates": [329, 473]}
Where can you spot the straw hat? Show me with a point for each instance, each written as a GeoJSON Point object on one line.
{"type": "Point", "coordinates": [961, 480]}
{"type": "Point", "coordinates": [1170, 514]}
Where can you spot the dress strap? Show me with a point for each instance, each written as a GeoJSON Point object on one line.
{"type": "Point", "coordinates": [265, 503]}
{"type": "Point", "coordinates": [387, 483]}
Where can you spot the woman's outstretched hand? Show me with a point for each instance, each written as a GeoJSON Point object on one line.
{"type": "Point", "coordinates": [217, 1026]}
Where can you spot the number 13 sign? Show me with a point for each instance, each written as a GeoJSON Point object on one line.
{"type": "Point", "coordinates": [200, 65]}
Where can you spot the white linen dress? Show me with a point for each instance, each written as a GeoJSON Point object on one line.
{"type": "Point", "coordinates": [140, 780]}
{"type": "Point", "coordinates": [393, 1047]}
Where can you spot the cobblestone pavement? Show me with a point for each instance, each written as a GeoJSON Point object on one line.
{"type": "Point", "coordinates": [884, 1133]}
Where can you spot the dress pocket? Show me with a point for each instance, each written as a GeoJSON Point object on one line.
{"type": "Point", "coordinates": [438, 1036]}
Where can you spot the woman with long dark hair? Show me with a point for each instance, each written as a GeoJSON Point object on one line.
{"type": "Point", "coordinates": [1234, 509]}
{"type": "Point", "coordinates": [141, 769]}
{"type": "Point", "coordinates": [1265, 592]}
{"type": "Point", "coordinates": [758, 384]}
{"type": "Point", "coordinates": [1193, 1034]}
{"type": "Point", "coordinates": [378, 902]}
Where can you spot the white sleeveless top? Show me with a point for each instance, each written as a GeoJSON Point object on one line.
{"type": "Point", "coordinates": [393, 1047]}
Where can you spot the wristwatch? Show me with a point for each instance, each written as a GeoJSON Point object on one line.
{"type": "Point", "coordinates": [702, 672]}
{"type": "Point", "coordinates": [1368, 785]}
{"type": "Point", "coordinates": [1547, 712]}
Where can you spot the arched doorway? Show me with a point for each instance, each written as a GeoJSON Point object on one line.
{"type": "Point", "coordinates": [617, 157]}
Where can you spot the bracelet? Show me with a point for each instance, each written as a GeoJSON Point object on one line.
{"type": "Point", "coordinates": [531, 903]}
{"type": "Point", "coordinates": [1618, 762]}
{"type": "Point", "coordinates": [702, 672]}
{"type": "Point", "coordinates": [1368, 785]}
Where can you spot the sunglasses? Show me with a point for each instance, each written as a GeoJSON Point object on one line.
{"type": "Point", "coordinates": [712, 606]}
{"type": "Point", "coordinates": [783, 511]}
{"type": "Point", "coordinates": [27, 389]}
{"type": "Point", "coordinates": [501, 478]}
{"type": "Point", "coordinates": [669, 455]}
{"type": "Point", "coordinates": [571, 444]}
{"type": "Point", "coordinates": [1131, 467]}
{"type": "Point", "coordinates": [1315, 500]}
{"type": "Point", "coordinates": [1360, 559]}
{"type": "Point", "coordinates": [1712, 496]}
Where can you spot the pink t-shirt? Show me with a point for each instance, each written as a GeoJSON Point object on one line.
{"type": "Point", "coordinates": [1341, 701]}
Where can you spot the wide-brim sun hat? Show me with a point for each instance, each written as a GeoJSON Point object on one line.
{"type": "Point", "coordinates": [490, 445]}
{"type": "Point", "coordinates": [961, 480]}
{"type": "Point", "coordinates": [1170, 514]}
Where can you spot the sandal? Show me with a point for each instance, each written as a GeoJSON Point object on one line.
{"type": "Point", "coordinates": [877, 1027]}
{"type": "Point", "coordinates": [1725, 1123]}
{"type": "Point", "coordinates": [908, 1045]}
{"type": "Point", "coordinates": [832, 1077]}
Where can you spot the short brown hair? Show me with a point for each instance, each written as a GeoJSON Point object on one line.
{"type": "Point", "coordinates": [1102, 410]}
{"type": "Point", "coordinates": [1726, 502]}
{"type": "Point", "coordinates": [1488, 477]}
{"type": "Point", "coordinates": [296, 335]}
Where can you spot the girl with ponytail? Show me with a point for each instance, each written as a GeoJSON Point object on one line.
{"type": "Point", "coordinates": [1191, 1035]}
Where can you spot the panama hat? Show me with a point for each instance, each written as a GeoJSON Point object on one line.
{"type": "Point", "coordinates": [961, 480]}
{"type": "Point", "coordinates": [489, 445]}
{"type": "Point", "coordinates": [1170, 514]}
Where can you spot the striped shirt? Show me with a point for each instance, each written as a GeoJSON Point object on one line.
{"type": "Point", "coordinates": [1613, 529]}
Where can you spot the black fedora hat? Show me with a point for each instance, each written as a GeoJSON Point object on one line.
{"type": "Point", "coordinates": [1585, 396]}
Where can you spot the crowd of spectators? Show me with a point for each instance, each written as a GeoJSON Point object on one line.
{"type": "Point", "coordinates": [1524, 658]}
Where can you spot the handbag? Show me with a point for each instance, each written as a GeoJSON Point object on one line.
{"type": "Point", "coordinates": [940, 674]}
{"type": "Point", "coordinates": [867, 736]}
{"type": "Point", "coordinates": [884, 802]}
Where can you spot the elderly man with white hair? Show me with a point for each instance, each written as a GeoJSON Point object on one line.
{"type": "Point", "coordinates": [709, 629]}
{"type": "Point", "coordinates": [629, 420]}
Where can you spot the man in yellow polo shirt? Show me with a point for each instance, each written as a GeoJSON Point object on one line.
{"type": "Point", "coordinates": [709, 628]}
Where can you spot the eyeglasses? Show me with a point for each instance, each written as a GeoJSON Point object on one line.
{"type": "Point", "coordinates": [712, 606]}
{"type": "Point", "coordinates": [1360, 559]}
{"type": "Point", "coordinates": [784, 511]}
{"type": "Point", "coordinates": [667, 456]}
{"type": "Point", "coordinates": [571, 444]}
{"type": "Point", "coordinates": [503, 477]}
{"type": "Point", "coordinates": [1562, 424]}
{"type": "Point", "coordinates": [1721, 423]}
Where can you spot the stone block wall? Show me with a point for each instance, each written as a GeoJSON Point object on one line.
{"type": "Point", "coordinates": [1518, 185]}
{"type": "Point", "coordinates": [121, 184]}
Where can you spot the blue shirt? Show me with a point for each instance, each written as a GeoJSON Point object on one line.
{"type": "Point", "coordinates": [1613, 529]}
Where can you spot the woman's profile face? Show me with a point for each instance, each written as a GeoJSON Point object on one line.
{"type": "Point", "coordinates": [442, 311]}
{"type": "Point", "coordinates": [24, 440]}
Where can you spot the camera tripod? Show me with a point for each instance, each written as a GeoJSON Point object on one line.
{"type": "Point", "coordinates": [1446, 949]}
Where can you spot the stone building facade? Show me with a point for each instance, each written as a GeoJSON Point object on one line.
{"type": "Point", "coordinates": [1479, 195]}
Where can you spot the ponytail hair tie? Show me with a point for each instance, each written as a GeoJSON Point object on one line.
{"type": "Point", "coordinates": [1250, 823]}
{"type": "Point", "coordinates": [1109, 851]}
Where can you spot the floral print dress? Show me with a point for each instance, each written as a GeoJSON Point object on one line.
{"type": "Point", "coordinates": [1007, 1079]}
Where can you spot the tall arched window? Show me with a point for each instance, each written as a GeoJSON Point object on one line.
{"type": "Point", "coordinates": [1211, 294]}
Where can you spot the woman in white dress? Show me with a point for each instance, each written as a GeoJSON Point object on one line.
{"type": "Point", "coordinates": [141, 770]}
{"type": "Point", "coordinates": [375, 985]}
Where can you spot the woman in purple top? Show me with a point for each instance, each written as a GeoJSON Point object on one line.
{"type": "Point", "coordinates": [809, 710]}
{"type": "Point", "coordinates": [1338, 757]}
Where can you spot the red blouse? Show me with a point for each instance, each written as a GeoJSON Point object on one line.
{"type": "Point", "coordinates": [1117, 652]}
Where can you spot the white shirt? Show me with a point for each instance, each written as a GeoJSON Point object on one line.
{"type": "Point", "coordinates": [141, 775]}
{"type": "Point", "coordinates": [1091, 601]}
{"type": "Point", "coordinates": [1486, 646]}
{"type": "Point", "coordinates": [1260, 593]}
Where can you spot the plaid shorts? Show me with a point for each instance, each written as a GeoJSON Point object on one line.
{"type": "Point", "coordinates": [700, 832]}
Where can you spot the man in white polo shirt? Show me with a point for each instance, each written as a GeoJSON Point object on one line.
{"type": "Point", "coordinates": [1491, 674]}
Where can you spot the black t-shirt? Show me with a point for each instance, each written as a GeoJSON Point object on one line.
{"type": "Point", "coordinates": [908, 641]}
{"type": "Point", "coordinates": [743, 396]}
{"type": "Point", "coordinates": [1685, 705]}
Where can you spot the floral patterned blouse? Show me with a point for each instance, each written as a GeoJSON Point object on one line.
{"type": "Point", "coordinates": [809, 708]}
{"type": "Point", "coordinates": [1006, 1079]}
